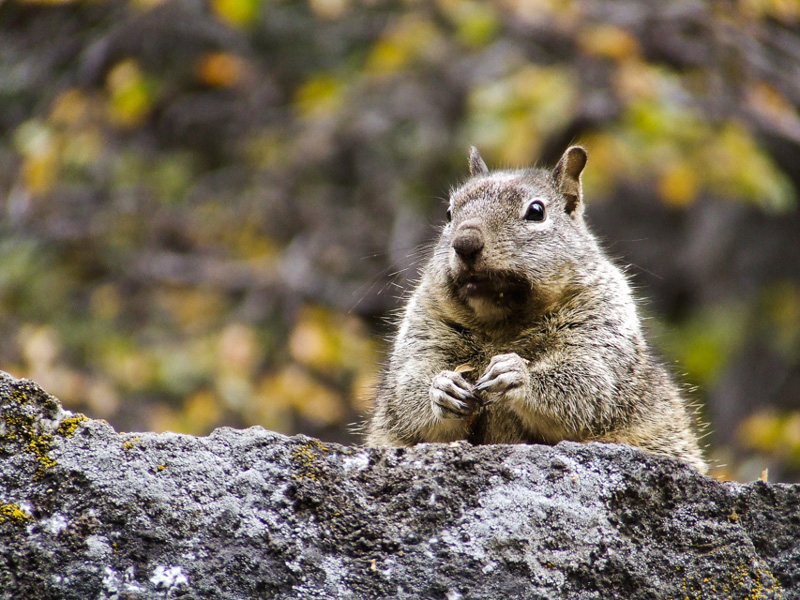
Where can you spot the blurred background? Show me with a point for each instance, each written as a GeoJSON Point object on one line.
{"type": "Point", "coordinates": [210, 210]}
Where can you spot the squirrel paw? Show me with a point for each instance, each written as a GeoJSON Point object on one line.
{"type": "Point", "coordinates": [451, 396]}
{"type": "Point", "coordinates": [507, 375]}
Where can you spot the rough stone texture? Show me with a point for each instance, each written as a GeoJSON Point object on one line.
{"type": "Point", "coordinates": [86, 512]}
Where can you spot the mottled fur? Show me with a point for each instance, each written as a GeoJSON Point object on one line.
{"type": "Point", "coordinates": [542, 325]}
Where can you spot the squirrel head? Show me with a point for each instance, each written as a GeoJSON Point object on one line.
{"type": "Point", "coordinates": [514, 240]}
{"type": "Point", "coordinates": [566, 176]}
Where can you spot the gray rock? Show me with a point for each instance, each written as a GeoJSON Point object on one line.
{"type": "Point", "coordinates": [87, 512]}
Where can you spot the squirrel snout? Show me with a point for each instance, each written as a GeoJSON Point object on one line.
{"type": "Point", "coordinates": [468, 243]}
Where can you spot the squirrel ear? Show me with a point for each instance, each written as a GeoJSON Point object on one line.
{"type": "Point", "coordinates": [567, 174]}
{"type": "Point", "coordinates": [476, 164]}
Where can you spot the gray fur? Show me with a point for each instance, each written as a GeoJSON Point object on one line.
{"type": "Point", "coordinates": [476, 164]}
{"type": "Point", "coordinates": [524, 332]}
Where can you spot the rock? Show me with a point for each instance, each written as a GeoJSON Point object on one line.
{"type": "Point", "coordinates": [87, 512]}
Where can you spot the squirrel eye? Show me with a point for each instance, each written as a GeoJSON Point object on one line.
{"type": "Point", "coordinates": [449, 214]}
{"type": "Point", "coordinates": [535, 211]}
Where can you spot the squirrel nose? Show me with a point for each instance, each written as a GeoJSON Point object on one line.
{"type": "Point", "coordinates": [468, 243]}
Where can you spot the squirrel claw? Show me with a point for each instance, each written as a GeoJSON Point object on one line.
{"type": "Point", "coordinates": [506, 373]}
{"type": "Point", "coordinates": [451, 396]}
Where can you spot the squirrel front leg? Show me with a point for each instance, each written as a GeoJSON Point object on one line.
{"type": "Point", "coordinates": [451, 396]}
{"type": "Point", "coordinates": [507, 375]}
{"type": "Point", "coordinates": [416, 406]}
{"type": "Point", "coordinates": [555, 398]}
{"type": "Point", "coordinates": [420, 398]}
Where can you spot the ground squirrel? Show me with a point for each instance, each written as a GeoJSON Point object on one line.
{"type": "Point", "coordinates": [522, 331]}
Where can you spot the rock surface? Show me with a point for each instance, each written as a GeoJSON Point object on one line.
{"type": "Point", "coordinates": [87, 512]}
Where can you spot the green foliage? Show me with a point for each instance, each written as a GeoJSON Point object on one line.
{"type": "Point", "coordinates": [781, 305]}
{"type": "Point", "coordinates": [772, 432]}
{"type": "Point", "coordinates": [511, 116]}
{"type": "Point", "coordinates": [199, 222]}
{"type": "Point", "coordinates": [689, 156]}
{"type": "Point", "coordinates": [32, 298]}
{"type": "Point", "coordinates": [703, 344]}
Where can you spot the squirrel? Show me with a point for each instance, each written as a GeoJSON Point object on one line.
{"type": "Point", "coordinates": [521, 330]}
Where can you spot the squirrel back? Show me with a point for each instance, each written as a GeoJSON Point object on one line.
{"type": "Point", "coordinates": [521, 330]}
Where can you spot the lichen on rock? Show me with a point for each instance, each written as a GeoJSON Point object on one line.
{"type": "Point", "coordinates": [92, 513]}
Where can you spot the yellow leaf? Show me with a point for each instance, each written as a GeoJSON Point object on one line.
{"type": "Point", "coordinates": [738, 166]}
{"type": "Point", "coordinates": [237, 13]}
{"type": "Point", "coordinates": [220, 69]}
{"type": "Point", "coordinates": [131, 95]}
{"type": "Point", "coordinates": [192, 309]}
{"type": "Point", "coordinates": [34, 138]}
{"type": "Point", "coordinates": [266, 149]}
{"type": "Point", "coordinates": [330, 9]}
{"type": "Point", "coordinates": [328, 341]}
{"type": "Point", "coordinates": [636, 80]}
{"type": "Point", "coordinates": [772, 104]}
{"type": "Point", "coordinates": [320, 96]}
{"type": "Point", "coordinates": [239, 350]}
{"type": "Point", "coordinates": [562, 13]}
{"type": "Point", "coordinates": [105, 302]}
{"type": "Point", "coordinates": [145, 5]}
{"type": "Point", "coordinates": [39, 172]}
{"type": "Point", "coordinates": [387, 57]}
{"type": "Point", "coordinates": [608, 41]}
{"type": "Point", "coordinates": [522, 140]}
{"type": "Point", "coordinates": [131, 368]}
{"type": "Point", "coordinates": [476, 22]}
{"type": "Point", "coordinates": [161, 417]}
{"type": "Point", "coordinates": [70, 107]}
{"type": "Point", "coordinates": [761, 431]}
{"type": "Point", "coordinates": [404, 42]}
{"type": "Point", "coordinates": [607, 163]}
{"type": "Point", "coordinates": [41, 346]}
{"type": "Point", "coordinates": [314, 341]}
{"type": "Point", "coordinates": [39, 145]}
{"type": "Point", "coordinates": [294, 387]}
{"type": "Point", "coordinates": [786, 11]}
{"type": "Point", "coordinates": [250, 242]}
{"type": "Point", "coordinates": [82, 148]}
{"type": "Point", "coordinates": [509, 117]}
{"type": "Point", "coordinates": [102, 398]}
{"type": "Point", "coordinates": [202, 410]}
{"type": "Point", "coordinates": [678, 185]}
{"type": "Point", "coordinates": [782, 306]}
{"type": "Point", "coordinates": [478, 28]}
